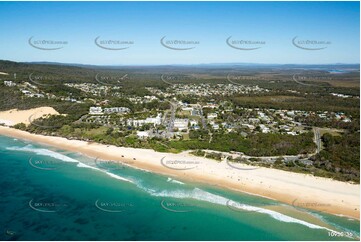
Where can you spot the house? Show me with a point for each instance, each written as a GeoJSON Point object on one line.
{"type": "Point", "coordinates": [291, 113]}
{"type": "Point", "coordinates": [95, 110]}
{"type": "Point", "coordinates": [212, 116]}
{"type": "Point", "coordinates": [9, 83]}
{"type": "Point", "coordinates": [195, 112]}
{"type": "Point", "coordinates": [142, 134]}
{"type": "Point", "coordinates": [253, 120]}
{"type": "Point", "coordinates": [215, 126]}
{"type": "Point", "coordinates": [193, 122]}
{"type": "Point", "coordinates": [25, 91]}
{"type": "Point", "coordinates": [264, 129]}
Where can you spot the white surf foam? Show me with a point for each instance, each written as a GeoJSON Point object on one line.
{"type": "Point", "coordinates": [196, 193]}
{"type": "Point", "coordinates": [80, 164]}
{"type": "Point", "coordinates": [202, 195]}
{"type": "Point", "coordinates": [118, 177]}
{"type": "Point", "coordinates": [174, 181]}
{"type": "Point", "coordinates": [44, 152]}
{"type": "Point", "coordinates": [58, 156]}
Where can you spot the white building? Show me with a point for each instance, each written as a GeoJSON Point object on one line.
{"type": "Point", "coordinates": [136, 123]}
{"type": "Point", "coordinates": [193, 122]}
{"type": "Point", "coordinates": [187, 108]}
{"type": "Point", "coordinates": [212, 116]}
{"type": "Point", "coordinates": [142, 134]}
{"type": "Point", "coordinates": [95, 110]}
{"type": "Point", "coordinates": [264, 129]}
{"type": "Point", "coordinates": [181, 124]}
{"type": "Point", "coordinates": [215, 126]}
{"type": "Point", "coordinates": [253, 120]}
{"type": "Point", "coordinates": [9, 83]}
{"type": "Point", "coordinates": [156, 121]}
{"type": "Point", "coordinates": [38, 95]}
{"type": "Point", "coordinates": [116, 110]}
{"type": "Point", "coordinates": [291, 113]}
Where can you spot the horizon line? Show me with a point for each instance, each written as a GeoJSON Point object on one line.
{"type": "Point", "coordinates": [192, 64]}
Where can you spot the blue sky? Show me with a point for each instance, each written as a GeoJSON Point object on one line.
{"type": "Point", "coordinates": [208, 23]}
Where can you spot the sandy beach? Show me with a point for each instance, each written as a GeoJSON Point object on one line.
{"type": "Point", "coordinates": [15, 116]}
{"type": "Point", "coordinates": [321, 194]}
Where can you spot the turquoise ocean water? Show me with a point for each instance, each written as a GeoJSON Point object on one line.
{"type": "Point", "coordinates": [52, 194]}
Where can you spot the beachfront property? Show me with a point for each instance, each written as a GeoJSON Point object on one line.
{"type": "Point", "coordinates": [193, 116]}
{"type": "Point", "coordinates": [150, 120]}
{"type": "Point", "coordinates": [180, 121]}
{"type": "Point", "coordinates": [142, 134]}
{"type": "Point", "coordinates": [181, 124]}
{"type": "Point", "coordinates": [119, 110]}
{"type": "Point", "coordinates": [100, 110]}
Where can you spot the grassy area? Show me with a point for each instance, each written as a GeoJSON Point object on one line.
{"type": "Point", "coordinates": [333, 132]}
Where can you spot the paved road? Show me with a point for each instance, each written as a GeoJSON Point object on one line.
{"type": "Point", "coordinates": [172, 116]}
{"type": "Point", "coordinates": [204, 123]}
{"type": "Point", "coordinates": [317, 138]}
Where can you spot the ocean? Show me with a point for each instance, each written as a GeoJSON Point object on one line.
{"type": "Point", "coordinates": [53, 194]}
{"type": "Point", "coordinates": [337, 71]}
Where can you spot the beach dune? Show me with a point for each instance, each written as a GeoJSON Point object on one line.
{"type": "Point", "coordinates": [15, 116]}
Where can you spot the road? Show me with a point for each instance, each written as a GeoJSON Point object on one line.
{"type": "Point", "coordinates": [204, 123]}
{"type": "Point", "coordinates": [172, 116]}
{"type": "Point", "coordinates": [317, 138]}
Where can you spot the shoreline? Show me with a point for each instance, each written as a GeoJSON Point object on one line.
{"type": "Point", "coordinates": [301, 190]}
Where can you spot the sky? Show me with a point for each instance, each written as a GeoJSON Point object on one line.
{"type": "Point", "coordinates": [257, 32]}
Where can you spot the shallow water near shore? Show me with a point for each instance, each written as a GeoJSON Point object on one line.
{"type": "Point", "coordinates": [53, 194]}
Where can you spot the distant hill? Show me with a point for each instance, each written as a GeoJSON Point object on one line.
{"type": "Point", "coordinates": [213, 65]}
{"type": "Point", "coordinates": [82, 72]}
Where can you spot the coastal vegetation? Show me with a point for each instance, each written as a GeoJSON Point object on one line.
{"type": "Point", "coordinates": [264, 113]}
